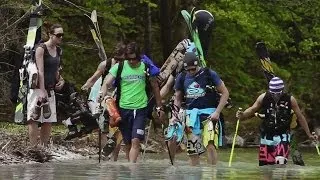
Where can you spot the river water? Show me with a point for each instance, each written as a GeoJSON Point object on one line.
{"type": "Point", "coordinates": [157, 166]}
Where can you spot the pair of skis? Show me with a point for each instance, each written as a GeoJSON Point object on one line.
{"type": "Point", "coordinates": [189, 17]}
{"type": "Point", "coordinates": [94, 93]}
{"type": "Point", "coordinates": [25, 84]}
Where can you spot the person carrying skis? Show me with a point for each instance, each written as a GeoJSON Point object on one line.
{"type": "Point", "coordinates": [132, 99]}
{"type": "Point", "coordinates": [276, 106]}
{"type": "Point", "coordinates": [41, 101]}
{"type": "Point", "coordinates": [202, 124]}
{"type": "Point", "coordinates": [103, 67]}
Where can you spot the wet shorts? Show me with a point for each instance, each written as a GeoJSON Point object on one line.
{"type": "Point", "coordinates": [32, 99]}
{"type": "Point", "coordinates": [274, 150]}
{"type": "Point", "coordinates": [210, 134]}
{"type": "Point", "coordinates": [132, 124]}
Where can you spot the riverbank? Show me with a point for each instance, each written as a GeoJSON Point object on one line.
{"type": "Point", "coordinates": [15, 149]}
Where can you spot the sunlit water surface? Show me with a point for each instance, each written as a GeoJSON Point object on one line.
{"type": "Point", "coordinates": [157, 166]}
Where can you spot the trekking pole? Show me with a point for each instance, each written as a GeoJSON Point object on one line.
{"type": "Point", "coordinates": [316, 144]}
{"type": "Point", "coordinates": [100, 144]}
{"type": "Point", "coordinates": [146, 142]}
{"type": "Point", "coordinates": [234, 140]}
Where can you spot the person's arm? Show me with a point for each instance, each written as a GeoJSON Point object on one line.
{"type": "Point", "coordinates": [249, 113]}
{"type": "Point", "coordinates": [156, 90]}
{"type": "Point", "coordinates": [90, 82]}
{"type": "Point", "coordinates": [109, 79]}
{"type": "Point", "coordinates": [222, 89]}
{"type": "Point", "coordinates": [59, 79]}
{"type": "Point", "coordinates": [106, 83]}
{"type": "Point", "coordinates": [167, 87]}
{"type": "Point", "coordinates": [300, 117]}
{"type": "Point", "coordinates": [40, 66]}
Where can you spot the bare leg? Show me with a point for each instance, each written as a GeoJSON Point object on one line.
{"type": "Point", "coordinates": [135, 150]}
{"type": "Point", "coordinates": [127, 151]}
{"type": "Point", "coordinates": [33, 132]}
{"type": "Point", "coordinates": [45, 133]}
{"type": "Point", "coordinates": [116, 151]}
{"type": "Point", "coordinates": [194, 160]}
{"type": "Point", "coordinates": [212, 154]}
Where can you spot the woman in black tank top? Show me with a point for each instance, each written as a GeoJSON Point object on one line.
{"type": "Point", "coordinates": [42, 100]}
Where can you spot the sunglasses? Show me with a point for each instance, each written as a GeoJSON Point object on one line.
{"type": "Point", "coordinates": [191, 69]}
{"type": "Point", "coordinates": [59, 35]}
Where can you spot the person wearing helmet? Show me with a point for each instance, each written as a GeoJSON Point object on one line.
{"type": "Point", "coordinates": [202, 125]}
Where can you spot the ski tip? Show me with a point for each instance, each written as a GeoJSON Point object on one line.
{"type": "Point", "coordinates": [260, 43]}
{"type": "Point", "coordinates": [94, 16]}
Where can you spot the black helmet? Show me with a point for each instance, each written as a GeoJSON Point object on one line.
{"type": "Point", "coordinates": [190, 59]}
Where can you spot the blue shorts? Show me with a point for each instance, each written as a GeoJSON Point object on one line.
{"type": "Point", "coordinates": [132, 124]}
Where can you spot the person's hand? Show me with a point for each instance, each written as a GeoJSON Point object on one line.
{"type": "Point", "coordinates": [160, 114]}
{"type": "Point", "coordinates": [101, 99]}
{"type": "Point", "coordinates": [43, 94]}
{"type": "Point", "coordinates": [60, 84]}
{"type": "Point", "coordinates": [214, 116]}
{"type": "Point", "coordinates": [239, 113]}
{"type": "Point", "coordinates": [85, 87]}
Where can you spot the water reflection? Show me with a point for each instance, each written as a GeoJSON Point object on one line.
{"type": "Point", "coordinates": [153, 169]}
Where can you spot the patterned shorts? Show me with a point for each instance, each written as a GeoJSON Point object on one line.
{"type": "Point", "coordinates": [274, 150]}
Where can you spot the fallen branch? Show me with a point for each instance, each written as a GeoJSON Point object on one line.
{"type": "Point", "coordinates": [5, 145]}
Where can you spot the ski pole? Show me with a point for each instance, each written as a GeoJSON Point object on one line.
{"type": "Point", "coordinates": [146, 142]}
{"type": "Point", "coordinates": [316, 144]}
{"type": "Point", "coordinates": [99, 145]}
{"type": "Point", "coordinates": [234, 140]}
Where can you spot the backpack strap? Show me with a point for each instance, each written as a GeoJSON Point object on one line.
{"type": "Point", "coordinates": [208, 76]}
{"type": "Point", "coordinates": [107, 68]}
{"type": "Point", "coordinates": [117, 82]}
{"type": "Point", "coordinates": [183, 78]}
{"type": "Point", "coordinates": [148, 85]}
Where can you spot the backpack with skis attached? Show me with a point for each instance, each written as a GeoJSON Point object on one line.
{"type": "Point", "coordinates": [28, 74]}
{"type": "Point", "coordinates": [266, 66]}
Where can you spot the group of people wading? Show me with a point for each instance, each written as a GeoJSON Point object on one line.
{"type": "Point", "coordinates": [199, 98]}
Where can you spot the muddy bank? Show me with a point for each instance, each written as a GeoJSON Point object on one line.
{"type": "Point", "coordinates": [15, 149]}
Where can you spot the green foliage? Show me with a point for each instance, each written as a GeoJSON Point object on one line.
{"type": "Point", "coordinates": [290, 29]}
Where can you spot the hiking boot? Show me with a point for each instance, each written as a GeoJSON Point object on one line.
{"type": "Point", "coordinates": [36, 111]}
{"type": "Point", "coordinates": [46, 109]}
{"type": "Point", "coordinates": [73, 132]}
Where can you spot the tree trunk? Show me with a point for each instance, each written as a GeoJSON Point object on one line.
{"type": "Point", "coordinates": [147, 36]}
{"type": "Point", "coordinates": [165, 25]}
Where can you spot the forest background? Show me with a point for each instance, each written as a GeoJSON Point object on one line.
{"type": "Point", "coordinates": [290, 29]}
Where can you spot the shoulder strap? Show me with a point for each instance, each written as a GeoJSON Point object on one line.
{"type": "Point", "coordinates": [120, 68]}
{"type": "Point", "coordinates": [207, 74]}
{"type": "Point", "coordinates": [117, 81]}
{"type": "Point", "coordinates": [59, 51]}
{"type": "Point", "coordinates": [183, 78]}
